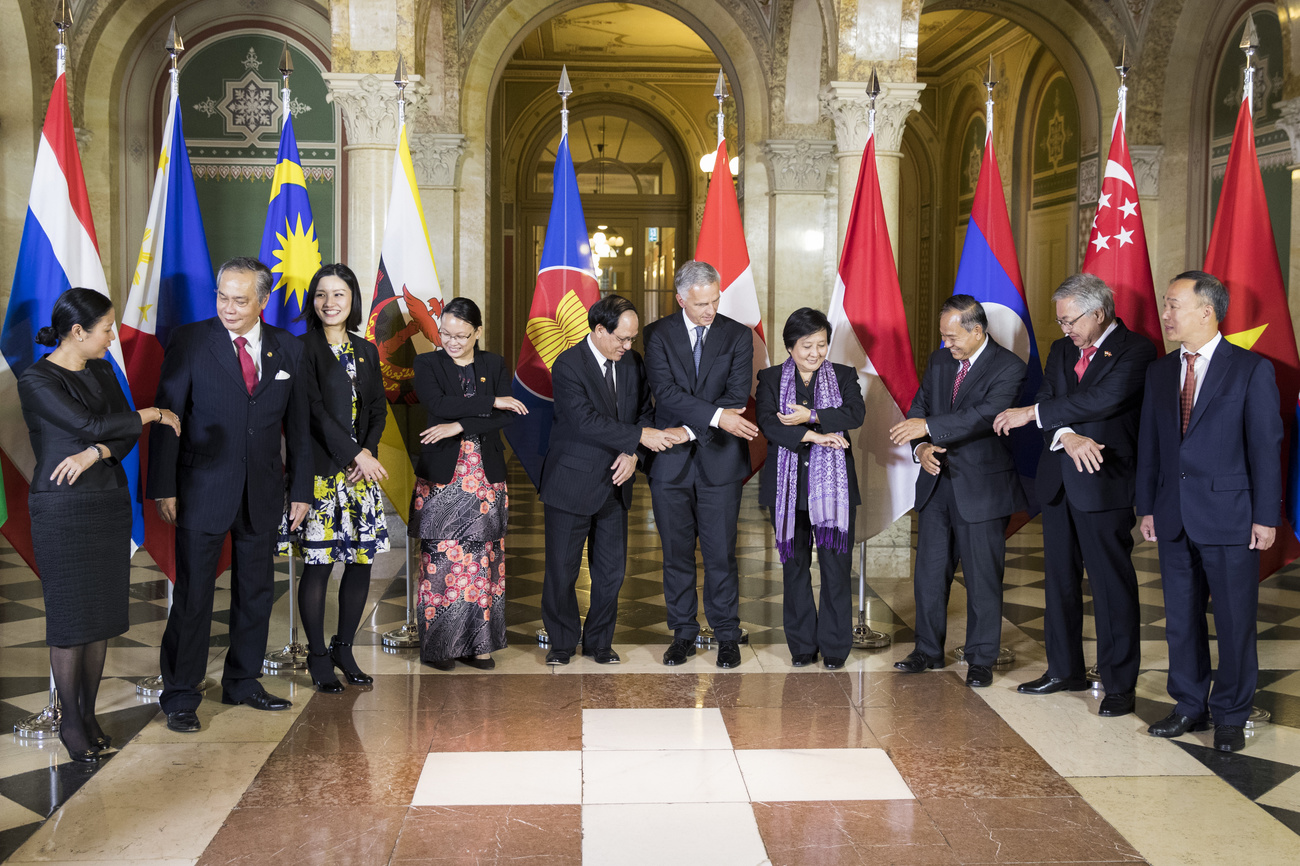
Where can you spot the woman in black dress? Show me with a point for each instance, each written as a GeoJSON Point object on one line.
{"type": "Point", "coordinates": [81, 426]}
{"type": "Point", "coordinates": [346, 520]}
{"type": "Point", "coordinates": [459, 507]}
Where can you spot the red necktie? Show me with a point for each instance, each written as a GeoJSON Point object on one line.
{"type": "Point", "coordinates": [1188, 396]}
{"type": "Point", "coordinates": [246, 364]}
{"type": "Point", "coordinates": [1081, 366]}
{"type": "Point", "coordinates": [961, 377]}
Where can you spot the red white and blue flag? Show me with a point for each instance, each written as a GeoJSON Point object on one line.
{"type": "Point", "coordinates": [59, 251]}
{"type": "Point", "coordinates": [566, 288]}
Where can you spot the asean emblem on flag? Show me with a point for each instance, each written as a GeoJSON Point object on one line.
{"type": "Point", "coordinates": [548, 336]}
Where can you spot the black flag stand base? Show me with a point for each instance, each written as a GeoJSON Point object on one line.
{"type": "Point", "coordinates": [864, 636]}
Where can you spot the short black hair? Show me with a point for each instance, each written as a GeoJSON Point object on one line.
{"type": "Point", "coordinates": [607, 311]}
{"type": "Point", "coordinates": [466, 310]}
{"type": "Point", "coordinates": [344, 273]}
{"type": "Point", "coordinates": [84, 307]}
{"type": "Point", "coordinates": [972, 311]}
{"type": "Point", "coordinates": [801, 323]}
{"type": "Point", "coordinates": [1209, 289]}
{"type": "Point", "coordinates": [248, 264]}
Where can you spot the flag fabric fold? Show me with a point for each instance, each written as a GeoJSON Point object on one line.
{"type": "Point", "coordinates": [869, 332]}
{"type": "Point", "coordinates": [290, 247]}
{"type": "Point", "coordinates": [58, 251]}
{"type": "Point", "coordinates": [557, 319]}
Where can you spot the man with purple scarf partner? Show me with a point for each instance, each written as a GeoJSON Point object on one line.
{"type": "Point", "coordinates": [969, 487]}
{"type": "Point", "coordinates": [805, 408]}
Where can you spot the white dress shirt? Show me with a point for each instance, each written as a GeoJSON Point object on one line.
{"type": "Point", "coordinates": [690, 332]}
{"type": "Point", "coordinates": [254, 347]}
{"type": "Point", "coordinates": [601, 359]}
{"type": "Point", "coordinates": [1203, 357]}
{"type": "Point", "coordinates": [1056, 438]}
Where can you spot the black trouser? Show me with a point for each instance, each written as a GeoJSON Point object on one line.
{"type": "Point", "coordinates": [566, 533]}
{"type": "Point", "coordinates": [807, 629]}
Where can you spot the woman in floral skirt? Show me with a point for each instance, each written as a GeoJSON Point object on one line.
{"type": "Point", "coordinates": [459, 507]}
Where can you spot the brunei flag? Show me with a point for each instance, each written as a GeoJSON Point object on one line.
{"type": "Point", "coordinates": [290, 247]}
{"type": "Point", "coordinates": [403, 321]}
{"type": "Point", "coordinates": [566, 288]}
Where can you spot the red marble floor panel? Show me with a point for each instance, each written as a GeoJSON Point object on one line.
{"type": "Point", "coordinates": [508, 729]}
{"type": "Point", "coordinates": [1028, 830]}
{"type": "Point", "coordinates": [495, 691]}
{"type": "Point", "coordinates": [797, 728]}
{"type": "Point", "coordinates": [404, 731]}
{"type": "Point", "coordinates": [339, 779]}
{"type": "Point", "coordinates": [781, 690]}
{"type": "Point", "coordinates": [941, 724]}
{"type": "Point", "coordinates": [849, 833]}
{"type": "Point", "coordinates": [647, 691]}
{"type": "Point", "coordinates": [518, 835]}
{"type": "Point", "coordinates": [966, 772]}
{"type": "Point", "coordinates": [307, 835]}
{"type": "Point", "coordinates": [897, 689]}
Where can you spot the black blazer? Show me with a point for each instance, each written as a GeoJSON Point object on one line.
{"type": "Point", "coordinates": [1106, 407]}
{"type": "Point", "coordinates": [589, 432]}
{"type": "Point", "coordinates": [334, 442]}
{"type": "Point", "coordinates": [683, 399]}
{"type": "Point", "coordinates": [849, 416]}
{"type": "Point", "coordinates": [980, 465]}
{"type": "Point", "coordinates": [230, 440]}
{"type": "Point", "coordinates": [437, 384]}
{"type": "Point", "coordinates": [1225, 472]}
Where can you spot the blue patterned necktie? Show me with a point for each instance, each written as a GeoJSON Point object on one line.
{"type": "Point", "coordinates": [699, 346]}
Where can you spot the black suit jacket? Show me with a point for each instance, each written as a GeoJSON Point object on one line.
{"type": "Point", "coordinates": [683, 399]}
{"type": "Point", "coordinates": [848, 416]}
{"type": "Point", "coordinates": [1106, 407]}
{"type": "Point", "coordinates": [979, 462]}
{"type": "Point", "coordinates": [1225, 473]}
{"type": "Point", "coordinates": [230, 439]}
{"type": "Point", "coordinates": [334, 441]}
{"type": "Point", "coordinates": [589, 432]}
{"type": "Point", "coordinates": [437, 384]}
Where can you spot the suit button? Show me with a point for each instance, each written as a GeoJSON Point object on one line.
{"type": "Point", "coordinates": [245, 459]}
{"type": "Point", "coordinates": [250, 431]}
{"type": "Point", "coordinates": [252, 402]}
{"type": "Point", "coordinates": [1182, 475]}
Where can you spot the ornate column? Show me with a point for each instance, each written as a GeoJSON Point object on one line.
{"type": "Point", "coordinates": [436, 157]}
{"type": "Point", "coordinates": [847, 104]}
{"type": "Point", "coordinates": [797, 170]}
{"type": "Point", "coordinates": [1290, 121]}
{"type": "Point", "coordinates": [1146, 173]}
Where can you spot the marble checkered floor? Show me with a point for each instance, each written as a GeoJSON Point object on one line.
{"type": "Point", "coordinates": [640, 763]}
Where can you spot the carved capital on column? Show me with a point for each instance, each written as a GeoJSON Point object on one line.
{"type": "Point", "coordinates": [798, 165]}
{"type": "Point", "coordinates": [1146, 165]}
{"type": "Point", "coordinates": [84, 138]}
{"type": "Point", "coordinates": [1290, 122]}
{"type": "Point", "coordinates": [436, 157]}
{"type": "Point", "coordinates": [847, 104]}
{"type": "Point", "coordinates": [369, 106]}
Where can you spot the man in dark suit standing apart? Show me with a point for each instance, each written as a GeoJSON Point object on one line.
{"type": "Point", "coordinates": [969, 489]}
{"type": "Point", "coordinates": [233, 380]}
{"type": "Point", "coordinates": [1088, 408]}
{"type": "Point", "coordinates": [602, 413]}
{"type": "Point", "coordinates": [1209, 487]}
{"type": "Point", "coordinates": [701, 369]}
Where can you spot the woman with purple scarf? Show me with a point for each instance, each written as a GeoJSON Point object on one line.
{"type": "Point", "coordinates": [806, 407]}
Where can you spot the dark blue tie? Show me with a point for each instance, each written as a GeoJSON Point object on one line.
{"type": "Point", "coordinates": [699, 346]}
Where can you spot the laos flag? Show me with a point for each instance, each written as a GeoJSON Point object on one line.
{"type": "Point", "coordinates": [566, 288]}
{"type": "Point", "coordinates": [990, 272]}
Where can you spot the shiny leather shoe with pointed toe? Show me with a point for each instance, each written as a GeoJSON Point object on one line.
{"type": "Point", "coordinates": [1046, 685]}
{"type": "Point", "coordinates": [558, 657]}
{"type": "Point", "coordinates": [916, 662]}
{"type": "Point", "coordinates": [979, 676]}
{"type": "Point", "coordinates": [1229, 738]}
{"type": "Point", "coordinates": [1117, 704]}
{"type": "Point", "coordinates": [1176, 724]}
{"type": "Point", "coordinates": [680, 650]}
{"type": "Point", "coordinates": [728, 654]}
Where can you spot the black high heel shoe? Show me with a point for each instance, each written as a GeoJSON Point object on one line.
{"type": "Point", "coordinates": [348, 665]}
{"type": "Point", "coordinates": [103, 742]}
{"type": "Point", "coordinates": [321, 669]}
{"type": "Point", "coordinates": [81, 756]}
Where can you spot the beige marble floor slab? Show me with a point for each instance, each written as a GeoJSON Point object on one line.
{"type": "Point", "coordinates": [14, 815]}
{"type": "Point", "coordinates": [1178, 821]}
{"type": "Point", "coordinates": [1284, 796]}
{"type": "Point", "coordinates": [20, 756]}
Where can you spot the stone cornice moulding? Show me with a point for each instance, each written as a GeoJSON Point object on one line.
{"type": "Point", "coordinates": [798, 165]}
{"type": "Point", "coordinates": [847, 104]}
{"type": "Point", "coordinates": [1290, 123]}
{"type": "Point", "coordinates": [369, 105]}
{"type": "Point", "coordinates": [436, 157]}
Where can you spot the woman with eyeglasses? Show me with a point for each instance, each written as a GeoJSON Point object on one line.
{"type": "Point", "coordinates": [459, 506]}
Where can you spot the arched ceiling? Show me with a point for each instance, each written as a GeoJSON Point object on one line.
{"type": "Point", "coordinates": [623, 33]}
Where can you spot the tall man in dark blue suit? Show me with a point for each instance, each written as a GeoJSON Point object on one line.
{"type": "Point", "coordinates": [1088, 409]}
{"type": "Point", "coordinates": [602, 417]}
{"type": "Point", "coordinates": [234, 382]}
{"type": "Point", "coordinates": [701, 369]}
{"type": "Point", "coordinates": [1209, 488]}
{"type": "Point", "coordinates": [969, 487]}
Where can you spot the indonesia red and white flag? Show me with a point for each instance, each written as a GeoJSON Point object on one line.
{"type": "Point", "coordinates": [869, 332]}
{"type": "Point", "coordinates": [1117, 246]}
{"type": "Point", "coordinates": [722, 244]}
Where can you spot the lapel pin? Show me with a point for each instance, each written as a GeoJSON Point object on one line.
{"type": "Point", "coordinates": [1105, 354]}
{"type": "Point", "coordinates": [268, 354]}
{"type": "Point", "coordinates": [482, 378]}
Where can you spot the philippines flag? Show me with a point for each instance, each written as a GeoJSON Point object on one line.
{"type": "Point", "coordinates": [722, 244]}
{"type": "Point", "coordinates": [990, 272]}
{"type": "Point", "coordinates": [290, 247]}
{"type": "Point", "coordinates": [59, 251]}
{"type": "Point", "coordinates": [172, 286]}
{"type": "Point", "coordinates": [869, 332]}
{"type": "Point", "coordinates": [566, 288]}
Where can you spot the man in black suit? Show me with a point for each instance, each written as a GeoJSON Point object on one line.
{"type": "Point", "coordinates": [701, 369]}
{"type": "Point", "coordinates": [1209, 486]}
{"type": "Point", "coordinates": [1088, 409]}
{"type": "Point", "coordinates": [969, 489]}
{"type": "Point", "coordinates": [602, 417]}
{"type": "Point", "coordinates": [234, 382]}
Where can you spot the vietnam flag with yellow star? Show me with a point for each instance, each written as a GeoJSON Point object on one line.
{"type": "Point", "coordinates": [290, 247]}
{"type": "Point", "coordinates": [1243, 255]}
{"type": "Point", "coordinates": [566, 288]}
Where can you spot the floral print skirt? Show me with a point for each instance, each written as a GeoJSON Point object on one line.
{"type": "Point", "coordinates": [345, 523]}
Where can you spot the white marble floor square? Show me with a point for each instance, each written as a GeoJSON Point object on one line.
{"type": "Point", "coordinates": [657, 833]}
{"type": "Point", "coordinates": [688, 776]}
{"type": "Point", "coordinates": [651, 729]}
{"type": "Point", "coordinates": [778, 775]}
{"type": "Point", "coordinates": [499, 778]}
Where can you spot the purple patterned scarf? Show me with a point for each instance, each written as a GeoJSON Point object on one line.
{"type": "Point", "coordinates": [828, 474]}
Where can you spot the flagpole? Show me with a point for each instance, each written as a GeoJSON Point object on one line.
{"type": "Point", "coordinates": [408, 634]}
{"type": "Point", "coordinates": [720, 93]}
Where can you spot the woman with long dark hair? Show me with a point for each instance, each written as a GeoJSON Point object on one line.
{"type": "Point", "coordinates": [345, 522]}
{"type": "Point", "coordinates": [81, 426]}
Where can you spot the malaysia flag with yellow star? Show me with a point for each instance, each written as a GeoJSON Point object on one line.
{"type": "Point", "coordinates": [290, 247]}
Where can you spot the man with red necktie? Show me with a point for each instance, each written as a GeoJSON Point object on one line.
{"type": "Point", "coordinates": [1088, 409]}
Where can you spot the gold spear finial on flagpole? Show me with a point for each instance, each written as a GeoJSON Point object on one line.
{"type": "Point", "coordinates": [63, 23]}
{"type": "Point", "coordinates": [564, 89]}
{"type": "Point", "coordinates": [989, 83]}
{"type": "Point", "coordinates": [286, 69]}
{"type": "Point", "coordinates": [1123, 69]}
{"type": "Point", "coordinates": [1250, 44]}
{"type": "Point", "coordinates": [873, 91]}
{"type": "Point", "coordinates": [175, 45]}
{"type": "Point", "coordinates": [720, 93]}
{"type": "Point", "coordinates": [400, 80]}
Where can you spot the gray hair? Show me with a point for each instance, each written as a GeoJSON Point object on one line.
{"type": "Point", "coordinates": [1208, 289]}
{"type": "Point", "coordinates": [694, 274]}
{"type": "Point", "coordinates": [250, 265]}
{"type": "Point", "coordinates": [1090, 292]}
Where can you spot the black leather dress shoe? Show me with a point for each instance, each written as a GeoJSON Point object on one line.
{"type": "Point", "coordinates": [979, 676]}
{"type": "Point", "coordinates": [602, 655]}
{"type": "Point", "coordinates": [1229, 738]}
{"type": "Point", "coordinates": [1046, 685]}
{"type": "Point", "coordinates": [679, 651]}
{"type": "Point", "coordinates": [916, 662]}
{"type": "Point", "coordinates": [442, 664]}
{"type": "Point", "coordinates": [1116, 704]}
{"type": "Point", "coordinates": [259, 700]}
{"type": "Point", "coordinates": [1176, 724]}
{"type": "Point", "coordinates": [833, 663]}
{"type": "Point", "coordinates": [801, 659]}
{"type": "Point", "coordinates": [486, 664]}
{"type": "Point", "coordinates": [728, 654]}
{"type": "Point", "coordinates": [183, 722]}
{"type": "Point", "coordinates": [558, 657]}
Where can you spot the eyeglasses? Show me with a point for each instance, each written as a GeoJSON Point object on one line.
{"type": "Point", "coordinates": [623, 341]}
{"type": "Point", "coordinates": [454, 338]}
{"type": "Point", "coordinates": [1067, 325]}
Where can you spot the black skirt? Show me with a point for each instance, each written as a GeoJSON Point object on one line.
{"type": "Point", "coordinates": [82, 542]}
